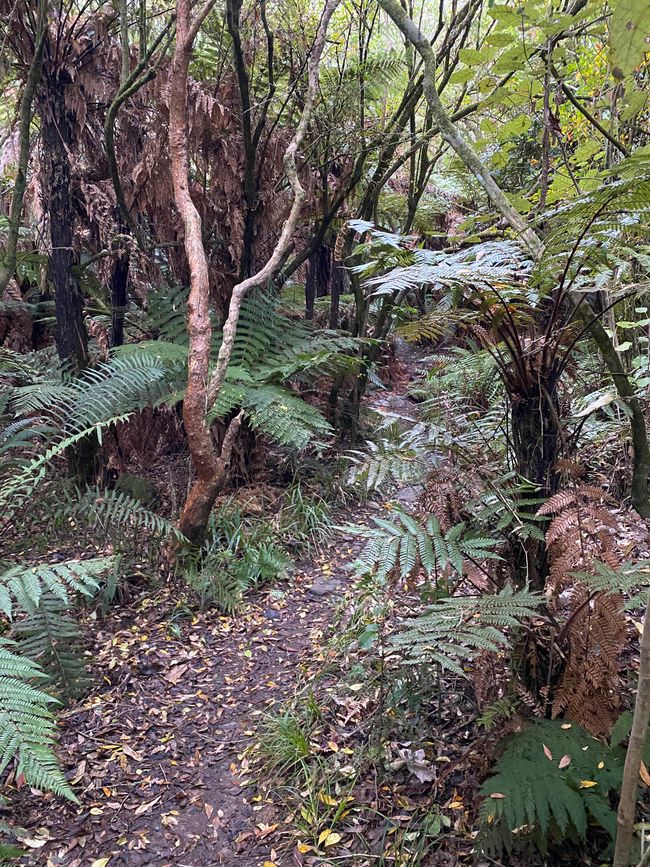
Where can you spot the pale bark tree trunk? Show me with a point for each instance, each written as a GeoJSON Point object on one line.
{"type": "Point", "coordinates": [627, 805]}
{"type": "Point", "coordinates": [20, 184]}
{"type": "Point", "coordinates": [210, 464]}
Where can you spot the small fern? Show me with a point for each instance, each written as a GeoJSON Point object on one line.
{"type": "Point", "coordinates": [551, 778]}
{"type": "Point", "coordinates": [391, 462]}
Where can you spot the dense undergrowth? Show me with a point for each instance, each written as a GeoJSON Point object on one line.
{"type": "Point", "coordinates": [273, 276]}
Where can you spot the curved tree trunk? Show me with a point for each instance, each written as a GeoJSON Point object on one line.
{"type": "Point", "coordinates": [210, 465]}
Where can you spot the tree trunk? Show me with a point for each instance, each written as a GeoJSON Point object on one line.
{"type": "Point", "coordinates": [627, 805]}
{"type": "Point", "coordinates": [58, 138]}
{"type": "Point", "coordinates": [640, 495]}
{"type": "Point", "coordinates": [20, 185]}
{"type": "Point", "coordinates": [119, 295]}
{"type": "Point", "coordinates": [317, 283]}
{"type": "Point", "coordinates": [337, 287]}
{"type": "Point", "coordinates": [209, 465]}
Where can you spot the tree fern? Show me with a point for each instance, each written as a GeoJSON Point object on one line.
{"type": "Point", "coordinates": [551, 778]}
{"type": "Point", "coordinates": [27, 726]}
{"type": "Point", "coordinates": [456, 630]}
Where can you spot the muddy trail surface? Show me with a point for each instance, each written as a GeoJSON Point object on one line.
{"type": "Point", "coordinates": [162, 752]}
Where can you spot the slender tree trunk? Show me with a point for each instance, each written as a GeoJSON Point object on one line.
{"type": "Point", "coordinates": [210, 465]}
{"type": "Point", "coordinates": [627, 805]}
{"type": "Point", "coordinates": [640, 495]}
{"type": "Point", "coordinates": [336, 290]}
{"type": "Point", "coordinates": [58, 138]}
{"type": "Point", "coordinates": [119, 294]}
{"type": "Point", "coordinates": [20, 184]}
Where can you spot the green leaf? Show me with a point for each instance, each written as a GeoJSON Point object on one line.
{"type": "Point", "coordinates": [628, 35]}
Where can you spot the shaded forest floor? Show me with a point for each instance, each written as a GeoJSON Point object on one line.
{"type": "Point", "coordinates": [170, 753]}
{"type": "Point", "coordinates": [161, 752]}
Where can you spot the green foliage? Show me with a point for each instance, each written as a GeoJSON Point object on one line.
{"type": "Point", "coordinates": [481, 266]}
{"type": "Point", "coordinates": [304, 520]}
{"type": "Point", "coordinates": [24, 586]}
{"type": "Point", "coordinates": [236, 556]}
{"type": "Point", "coordinates": [631, 579]}
{"type": "Point", "coordinates": [549, 781]}
{"type": "Point", "coordinates": [463, 627]}
{"type": "Point", "coordinates": [27, 727]}
{"type": "Point", "coordinates": [628, 29]}
{"type": "Point", "coordinates": [285, 741]}
{"type": "Point", "coordinates": [107, 510]}
{"type": "Point", "coordinates": [399, 549]}
{"type": "Point", "coordinates": [47, 635]}
{"type": "Point", "coordinates": [396, 458]}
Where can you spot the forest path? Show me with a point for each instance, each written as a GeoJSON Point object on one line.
{"type": "Point", "coordinates": [160, 753]}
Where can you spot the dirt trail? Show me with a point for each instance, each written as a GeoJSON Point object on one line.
{"type": "Point", "coordinates": [158, 754]}
{"type": "Point", "coordinates": [159, 751]}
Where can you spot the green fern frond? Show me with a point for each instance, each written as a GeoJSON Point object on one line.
{"type": "Point", "coordinates": [549, 779]}
{"type": "Point", "coordinates": [287, 419]}
{"type": "Point", "coordinates": [27, 726]}
{"type": "Point", "coordinates": [47, 636]}
{"type": "Point", "coordinates": [459, 628]}
{"type": "Point", "coordinates": [24, 586]}
{"type": "Point", "coordinates": [105, 509]}
{"type": "Point", "coordinates": [384, 554]}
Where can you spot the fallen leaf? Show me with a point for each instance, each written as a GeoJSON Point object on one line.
{"type": "Point", "coordinates": [548, 753]}
{"type": "Point", "coordinates": [144, 807]}
{"type": "Point", "coordinates": [328, 838]}
{"type": "Point", "coordinates": [565, 761]}
{"type": "Point", "coordinates": [101, 862]}
{"type": "Point", "coordinates": [126, 749]}
{"type": "Point", "coordinates": [587, 784]}
{"type": "Point", "coordinates": [643, 773]}
{"type": "Point", "coordinates": [175, 673]}
{"type": "Point", "coordinates": [497, 795]}
{"type": "Point", "coordinates": [303, 848]}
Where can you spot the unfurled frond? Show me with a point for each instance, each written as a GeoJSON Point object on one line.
{"type": "Point", "coordinates": [106, 509]}
{"type": "Point", "coordinates": [499, 263]}
{"type": "Point", "coordinates": [550, 779]}
{"type": "Point", "coordinates": [48, 636]}
{"type": "Point", "coordinates": [456, 630]}
{"type": "Point", "coordinates": [400, 549]}
{"type": "Point", "coordinates": [23, 586]}
{"type": "Point", "coordinates": [390, 463]}
{"type": "Point", "coordinates": [285, 418]}
{"type": "Point", "coordinates": [27, 726]}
